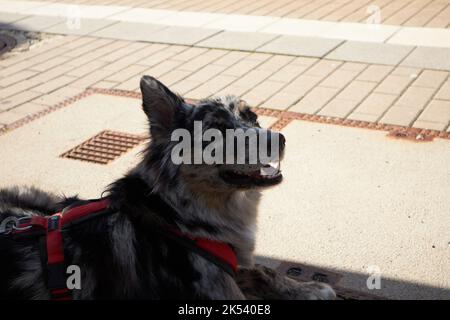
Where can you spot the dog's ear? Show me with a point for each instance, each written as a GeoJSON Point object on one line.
{"type": "Point", "coordinates": [160, 105]}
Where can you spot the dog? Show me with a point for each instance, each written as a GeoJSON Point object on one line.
{"type": "Point", "coordinates": [131, 252]}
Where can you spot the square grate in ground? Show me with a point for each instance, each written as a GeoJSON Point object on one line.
{"type": "Point", "coordinates": [104, 147]}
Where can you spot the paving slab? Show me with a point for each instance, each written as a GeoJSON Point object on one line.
{"type": "Point", "coordinates": [360, 32]}
{"type": "Point", "coordinates": [422, 37]}
{"type": "Point", "coordinates": [19, 6]}
{"type": "Point", "coordinates": [237, 40]}
{"type": "Point", "coordinates": [79, 10]}
{"type": "Point", "coordinates": [9, 18]}
{"type": "Point", "coordinates": [181, 35]}
{"type": "Point", "coordinates": [300, 46]}
{"type": "Point", "coordinates": [429, 58]}
{"type": "Point", "coordinates": [378, 53]}
{"type": "Point", "coordinates": [142, 15]}
{"type": "Point", "coordinates": [37, 23]}
{"type": "Point", "coordinates": [84, 27]}
{"type": "Point", "coordinates": [131, 31]}
{"type": "Point", "coordinates": [243, 23]}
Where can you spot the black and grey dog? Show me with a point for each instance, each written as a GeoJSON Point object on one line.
{"type": "Point", "coordinates": [125, 254]}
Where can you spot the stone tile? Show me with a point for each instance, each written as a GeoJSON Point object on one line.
{"type": "Point", "coordinates": [282, 100]}
{"type": "Point", "coordinates": [376, 104]}
{"type": "Point", "coordinates": [314, 100]}
{"type": "Point", "coordinates": [54, 84]}
{"type": "Point", "coordinates": [429, 125]}
{"type": "Point", "coordinates": [244, 23]}
{"type": "Point", "coordinates": [182, 87]}
{"type": "Point", "coordinates": [431, 79]}
{"type": "Point", "coordinates": [237, 40]}
{"type": "Point", "coordinates": [338, 108]}
{"type": "Point", "coordinates": [127, 73]}
{"type": "Point", "coordinates": [242, 67]}
{"type": "Point", "coordinates": [18, 99]}
{"type": "Point", "coordinates": [393, 84]}
{"type": "Point", "coordinates": [401, 116]}
{"type": "Point", "coordinates": [189, 19]}
{"type": "Point", "coordinates": [363, 117]}
{"type": "Point", "coordinates": [298, 27]}
{"type": "Point", "coordinates": [354, 66]}
{"type": "Point", "coordinates": [91, 78]}
{"type": "Point", "coordinates": [181, 35]}
{"type": "Point", "coordinates": [8, 117]}
{"type": "Point", "coordinates": [19, 6]}
{"type": "Point", "coordinates": [406, 72]}
{"type": "Point", "coordinates": [202, 60]}
{"type": "Point", "coordinates": [375, 73]}
{"type": "Point", "coordinates": [105, 84]}
{"type": "Point", "coordinates": [28, 109]}
{"type": "Point", "coordinates": [262, 92]}
{"type": "Point", "coordinates": [378, 53]}
{"type": "Point", "coordinates": [230, 58]}
{"type": "Point", "coordinates": [424, 37]}
{"type": "Point", "coordinates": [356, 91]}
{"type": "Point", "coordinates": [339, 78]}
{"type": "Point", "coordinates": [7, 18]}
{"type": "Point", "coordinates": [174, 76]}
{"type": "Point", "coordinates": [16, 77]}
{"type": "Point", "coordinates": [300, 46]}
{"type": "Point", "coordinates": [206, 73]}
{"type": "Point", "coordinates": [415, 97]}
{"type": "Point", "coordinates": [360, 32]}
{"type": "Point", "coordinates": [275, 63]}
{"type": "Point", "coordinates": [323, 68]}
{"type": "Point", "coordinates": [302, 84]}
{"type": "Point", "coordinates": [131, 31]}
{"type": "Point", "coordinates": [288, 73]}
{"type": "Point", "coordinates": [429, 58]}
{"type": "Point", "coordinates": [56, 96]}
{"type": "Point", "coordinates": [86, 26]}
{"type": "Point", "coordinates": [211, 87]}
{"type": "Point", "coordinates": [142, 15]}
{"type": "Point", "coordinates": [37, 23]}
{"type": "Point", "coordinates": [444, 91]}
{"type": "Point", "coordinates": [436, 111]}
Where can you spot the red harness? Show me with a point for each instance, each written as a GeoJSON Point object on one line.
{"type": "Point", "coordinates": [220, 253]}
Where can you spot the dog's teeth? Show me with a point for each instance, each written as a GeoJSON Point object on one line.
{"type": "Point", "coordinates": [268, 171]}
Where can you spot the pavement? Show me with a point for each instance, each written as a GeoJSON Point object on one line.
{"type": "Point", "coordinates": [365, 108]}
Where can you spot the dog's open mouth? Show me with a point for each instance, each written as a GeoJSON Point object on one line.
{"type": "Point", "coordinates": [268, 175]}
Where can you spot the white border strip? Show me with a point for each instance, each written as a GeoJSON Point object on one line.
{"type": "Point", "coordinates": [376, 33]}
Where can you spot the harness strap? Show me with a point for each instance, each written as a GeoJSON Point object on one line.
{"type": "Point", "coordinates": [54, 245]}
{"type": "Point", "coordinates": [51, 228]}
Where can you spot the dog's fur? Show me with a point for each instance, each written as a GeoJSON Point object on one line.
{"type": "Point", "coordinates": [124, 255]}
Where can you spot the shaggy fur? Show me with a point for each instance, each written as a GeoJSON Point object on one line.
{"type": "Point", "coordinates": [125, 255]}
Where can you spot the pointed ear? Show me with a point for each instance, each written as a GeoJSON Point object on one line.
{"type": "Point", "coordinates": [160, 105]}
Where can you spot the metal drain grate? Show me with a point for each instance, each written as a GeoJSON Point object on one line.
{"type": "Point", "coordinates": [104, 147]}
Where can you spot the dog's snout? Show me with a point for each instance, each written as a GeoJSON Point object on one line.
{"type": "Point", "coordinates": [282, 141]}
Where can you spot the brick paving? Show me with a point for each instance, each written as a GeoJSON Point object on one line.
{"type": "Point", "coordinates": [413, 13]}
{"type": "Point", "coordinates": [360, 91]}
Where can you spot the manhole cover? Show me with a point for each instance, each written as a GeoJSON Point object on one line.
{"type": "Point", "coordinates": [104, 147]}
{"type": "Point", "coordinates": [7, 43]}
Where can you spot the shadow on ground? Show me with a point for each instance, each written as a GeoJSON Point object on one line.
{"type": "Point", "coordinates": [352, 285]}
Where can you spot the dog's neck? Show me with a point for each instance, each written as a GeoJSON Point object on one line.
{"type": "Point", "coordinates": [223, 216]}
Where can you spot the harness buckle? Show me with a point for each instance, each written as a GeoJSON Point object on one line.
{"type": "Point", "coordinates": [12, 223]}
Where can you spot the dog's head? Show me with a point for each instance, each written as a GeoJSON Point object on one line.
{"type": "Point", "coordinates": [216, 144]}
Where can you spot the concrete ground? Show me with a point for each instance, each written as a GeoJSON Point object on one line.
{"type": "Point", "coordinates": [365, 108]}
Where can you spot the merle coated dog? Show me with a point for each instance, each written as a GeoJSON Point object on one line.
{"type": "Point", "coordinates": [125, 255]}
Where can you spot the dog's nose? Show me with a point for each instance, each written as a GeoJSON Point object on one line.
{"type": "Point", "coordinates": [282, 141]}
